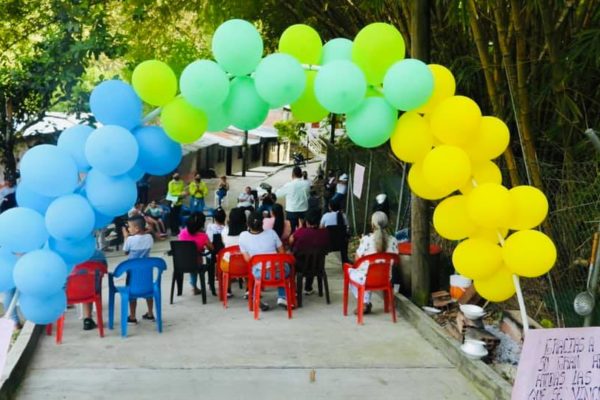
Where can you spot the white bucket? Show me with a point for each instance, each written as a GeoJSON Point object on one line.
{"type": "Point", "coordinates": [458, 285]}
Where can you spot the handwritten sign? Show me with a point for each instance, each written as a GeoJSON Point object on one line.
{"type": "Point", "coordinates": [359, 177]}
{"type": "Point", "coordinates": [559, 364]}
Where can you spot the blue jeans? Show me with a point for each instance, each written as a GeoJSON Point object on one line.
{"type": "Point", "coordinates": [8, 296]}
{"type": "Point", "coordinates": [256, 271]}
{"type": "Point", "coordinates": [220, 194]}
{"type": "Point", "coordinates": [196, 204]}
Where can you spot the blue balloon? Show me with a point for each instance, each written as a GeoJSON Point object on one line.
{"type": "Point", "coordinates": [136, 173]}
{"type": "Point", "coordinates": [43, 310]}
{"type": "Point", "coordinates": [40, 273]}
{"type": "Point", "coordinates": [22, 230]}
{"type": "Point", "coordinates": [112, 150]}
{"type": "Point", "coordinates": [7, 265]}
{"type": "Point", "coordinates": [115, 102]}
{"type": "Point", "coordinates": [101, 220]}
{"type": "Point", "coordinates": [158, 155]}
{"type": "Point", "coordinates": [336, 49]}
{"type": "Point", "coordinates": [70, 217]}
{"type": "Point", "coordinates": [49, 171]}
{"type": "Point", "coordinates": [72, 140]}
{"type": "Point", "coordinates": [30, 199]}
{"type": "Point", "coordinates": [110, 195]}
{"type": "Point", "coordinates": [74, 252]}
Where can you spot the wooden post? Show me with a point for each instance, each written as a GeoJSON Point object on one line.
{"type": "Point", "coordinates": [245, 154]}
{"type": "Point", "coordinates": [332, 137]}
{"type": "Point", "coordinates": [420, 273]}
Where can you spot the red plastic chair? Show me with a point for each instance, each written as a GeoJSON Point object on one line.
{"type": "Point", "coordinates": [378, 278]}
{"type": "Point", "coordinates": [272, 275]}
{"type": "Point", "coordinates": [84, 285]}
{"type": "Point", "coordinates": [238, 268]}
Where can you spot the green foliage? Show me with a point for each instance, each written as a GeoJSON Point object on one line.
{"type": "Point", "coordinates": [291, 130]}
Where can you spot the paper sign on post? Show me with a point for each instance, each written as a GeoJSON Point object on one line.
{"type": "Point", "coordinates": [559, 364]}
{"type": "Point", "coordinates": [7, 327]}
{"type": "Point", "coordinates": [357, 183]}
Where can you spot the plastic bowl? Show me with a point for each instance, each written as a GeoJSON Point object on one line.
{"type": "Point", "coordinates": [431, 310]}
{"type": "Point", "coordinates": [472, 311]}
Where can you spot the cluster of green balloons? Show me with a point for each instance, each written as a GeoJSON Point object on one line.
{"type": "Point", "coordinates": [451, 147]}
{"type": "Point", "coordinates": [367, 79]}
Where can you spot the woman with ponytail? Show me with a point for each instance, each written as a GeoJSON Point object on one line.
{"type": "Point", "coordinates": [380, 241]}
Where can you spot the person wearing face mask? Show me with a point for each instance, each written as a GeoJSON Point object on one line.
{"type": "Point", "coordinates": [176, 193]}
{"type": "Point", "coordinates": [198, 191]}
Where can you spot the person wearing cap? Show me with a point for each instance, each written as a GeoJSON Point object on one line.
{"type": "Point", "coordinates": [382, 204]}
{"type": "Point", "coordinates": [198, 191]}
{"type": "Point", "coordinates": [176, 193]}
{"type": "Point", "coordinates": [341, 189]}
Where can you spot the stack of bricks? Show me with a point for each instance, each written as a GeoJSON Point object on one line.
{"type": "Point", "coordinates": [474, 329]}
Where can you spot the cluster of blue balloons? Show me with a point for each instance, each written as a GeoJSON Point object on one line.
{"type": "Point", "coordinates": [69, 189]}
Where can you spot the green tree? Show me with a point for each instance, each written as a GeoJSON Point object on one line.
{"type": "Point", "coordinates": [46, 46]}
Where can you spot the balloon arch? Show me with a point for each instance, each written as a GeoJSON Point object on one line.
{"type": "Point", "coordinates": [69, 189]}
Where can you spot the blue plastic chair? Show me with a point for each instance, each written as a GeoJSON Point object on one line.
{"type": "Point", "coordinates": [140, 285]}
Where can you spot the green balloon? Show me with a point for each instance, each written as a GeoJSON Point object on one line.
{"type": "Point", "coordinates": [376, 47]}
{"type": "Point", "coordinates": [279, 79]}
{"type": "Point", "coordinates": [237, 47]}
{"type": "Point", "coordinates": [183, 122]}
{"type": "Point", "coordinates": [307, 108]}
{"type": "Point", "coordinates": [155, 82]}
{"type": "Point", "coordinates": [371, 125]}
{"type": "Point", "coordinates": [204, 84]}
{"type": "Point", "coordinates": [408, 84]}
{"type": "Point", "coordinates": [337, 49]}
{"type": "Point", "coordinates": [245, 108]}
{"type": "Point", "coordinates": [302, 42]}
{"type": "Point", "coordinates": [340, 86]}
{"type": "Point", "coordinates": [217, 119]}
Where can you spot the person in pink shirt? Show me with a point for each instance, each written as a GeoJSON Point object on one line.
{"type": "Point", "coordinates": [194, 232]}
{"type": "Point", "coordinates": [278, 223]}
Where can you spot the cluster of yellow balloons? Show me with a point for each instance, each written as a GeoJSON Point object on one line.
{"type": "Point", "coordinates": [451, 147]}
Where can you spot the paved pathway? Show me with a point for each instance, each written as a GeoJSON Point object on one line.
{"type": "Point", "coordinates": [212, 353]}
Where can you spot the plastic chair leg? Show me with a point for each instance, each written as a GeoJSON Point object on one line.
{"type": "Point", "coordinates": [289, 296]}
{"type": "Point", "coordinates": [203, 286]}
{"type": "Point", "coordinates": [158, 310]}
{"type": "Point", "coordinates": [299, 277]}
{"type": "Point", "coordinates": [224, 283]}
{"type": "Point", "coordinates": [124, 313]}
{"type": "Point", "coordinates": [251, 293]}
{"type": "Point", "coordinates": [100, 319]}
{"type": "Point", "coordinates": [172, 288]}
{"type": "Point", "coordinates": [345, 295]}
{"type": "Point", "coordinates": [49, 329]}
{"type": "Point", "coordinates": [60, 323]}
{"type": "Point", "coordinates": [326, 284]}
{"type": "Point", "coordinates": [386, 302]}
{"type": "Point", "coordinates": [392, 305]}
{"type": "Point", "coordinates": [256, 296]}
{"type": "Point", "coordinates": [361, 304]}
{"type": "Point", "coordinates": [111, 309]}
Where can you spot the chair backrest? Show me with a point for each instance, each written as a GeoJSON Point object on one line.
{"type": "Point", "coordinates": [310, 260]}
{"type": "Point", "coordinates": [185, 256]}
{"type": "Point", "coordinates": [273, 265]}
{"type": "Point", "coordinates": [238, 265]}
{"type": "Point", "coordinates": [217, 243]}
{"type": "Point", "coordinates": [140, 273]}
{"type": "Point", "coordinates": [337, 237]}
{"type": "Point", "coordinates": [85, 281]}
{"type": "Point", "coordinates": [231, 250]}
{"type": "Point", "coordinates": [379, 268]}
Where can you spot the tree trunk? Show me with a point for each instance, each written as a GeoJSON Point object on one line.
{"type": "Point", "coordinates": [245, 153]}
{"type": "Point", "coordinates": [420, 273]}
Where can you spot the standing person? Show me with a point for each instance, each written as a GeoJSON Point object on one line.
{"type": "Point", "coordinates": [329, 186]}
{"type": "Point", "coordinates": [296, 193]}
{"type": "Point", "coordinates": [198, 192]}
{"type": "Point", "coordinates": [143, 185]}
{"type": "Point", "coordinates": [380, 241]}
{"type": "Point", "coordinates": [175, 195]}
{"type": "Point", "coordinates": [194, 232]}
{"type": "Point", "coordinates": [257, 241]}
{"type": "Point", "coordinates": [341, 188]}
{"type": "Point", "coordinates": [222, 189]}
{"type": "Point", "coordinates": [138, 244]}
{"type": "Point", "coordinates": [310, 238]}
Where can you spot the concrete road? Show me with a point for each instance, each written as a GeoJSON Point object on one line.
{"type": "Point", "coordinates": [208, 352]}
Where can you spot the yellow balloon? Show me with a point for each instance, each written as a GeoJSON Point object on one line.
{"type": "Point", "coordinates": [529, 253]}
{"type": "Point", "coordinates": [183, 122]}
{"type": "Point", "coordinates": [420, 187]}
{"type": "Point", "coordinates": [530, 207]}
{"type": "Point", "coordinates": [155, 82]}
{"type": "Point", "coordinates": [477, 258]}
{"type": "Point", "coordinates": [411, 139]}
{"type": "Point", "coordinates": [456, 120]}
{"type": "Point", "coordinates": [490, 141]}
{"type": "Point", "coordinates": [489, 205]}
{"type": "Point", "coordinates": [444, 86]}
{"type": "Point", "coordinates": [451, 220]}
{"type": "Point", "coordinates": [493, 235]}
{"type": "Point", "coordinates": [447, 168]}
{"type": "Point", "coordinates": [484, 172]}
{"type": "Point", "coordinates": [498, 287]}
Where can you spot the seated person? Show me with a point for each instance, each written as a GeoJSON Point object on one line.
{"type": "Point", "coordinates": [246, 199]}
{"type": "Point", "coordinates": [222, 189]}
{"type": "Point", "coordinates": [194, 232]}
{"type": "Point", "coordinates": [138, 244]}
{"type": "Point", "coordinates": [278, 223]}
{"type": "Point", "coordinates": [257, 241]}
{"type": "Point", "coordinates": [152, 225]}
{"type": "Point", "coordinates": [236, 224]}
{"type": "Point", "coordinates": [155, 213]}
{"type": "Point", "coordinates": [310, 238]}
{"type": "Point", "coordinates": [380, 241]}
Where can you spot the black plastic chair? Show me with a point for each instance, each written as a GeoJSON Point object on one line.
{"type": "Point", "coordinates": [186, 260]}
{"type": "Point", "coordinates": [311, 263]}
{"type": "Point", "coordinates": [338, 239]}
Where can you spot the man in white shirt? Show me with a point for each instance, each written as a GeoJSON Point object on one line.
{"type": "Point", "coordinates": [296, 195]}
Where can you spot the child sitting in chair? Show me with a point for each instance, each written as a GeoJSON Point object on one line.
{"type": "Point", "coordinates": [138, 244]}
